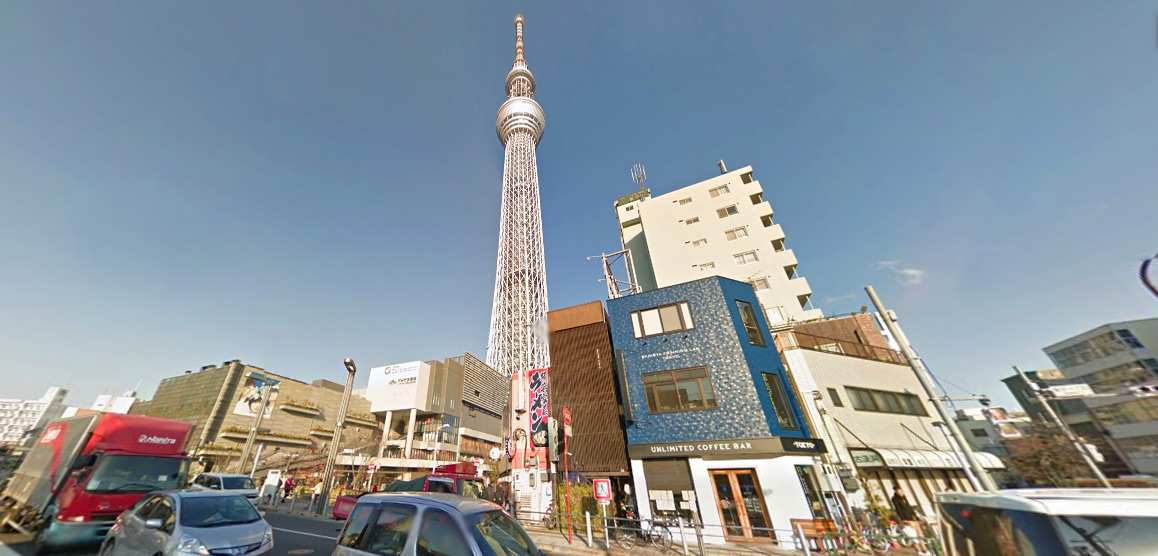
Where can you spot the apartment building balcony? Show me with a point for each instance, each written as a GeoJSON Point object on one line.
{"type": "Point", "coordinates": [764, 208]}
{"type": "Point", "coordinates": [790, 339]}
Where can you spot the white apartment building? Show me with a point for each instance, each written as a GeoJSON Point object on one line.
{"type": "Point", "coordinates": [18, 417]}
{"type": "Point", "coordinates": [1114, 359]}
{"type": "Point", "coordinates": [720, 226]}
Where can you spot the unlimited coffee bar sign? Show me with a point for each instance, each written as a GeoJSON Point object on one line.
{"type": "Point", "coordinates": [739, 447]}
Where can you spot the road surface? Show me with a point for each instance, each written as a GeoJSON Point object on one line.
{"type": "Point", "coordinates": [292, 536]}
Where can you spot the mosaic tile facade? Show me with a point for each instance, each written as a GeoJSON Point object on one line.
{"type": "Point", "coordinates": [716, 341]}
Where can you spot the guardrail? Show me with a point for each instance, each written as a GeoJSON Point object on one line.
{"type": "Point", "coordinates": [687, 537]}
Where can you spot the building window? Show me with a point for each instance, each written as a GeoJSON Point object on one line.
{"type": "Point", "coordinates": [736, 233]}
{"type": "Point", "coordinates": [805, 301]}
{"type": "Point", "coordinates": [979, 433]}
{"type": "Point", "coordinates": [727, 211]}
{"type": "Point", "coordinates": [790, 271]}
{"type": "Point", "coordinates": [775, 315]}
{"type": "Point", "coordinates": [760, 284]}
{"type": "Point", "coordinates": [779, 394]}
{"type": "Point", "coordinates": [747, 177]}
{"type": "Point", "coordinates": [704, 266]}
{"type": "Point", "coordinates": [881, 401]}
{"type": "Point", "coordinates": [661, 320]}
{"type": "Point", "coordinates": [1151, 364]}
{"type": "Point", "coordinates": [745, 257]}
{"type": "Point", "coordinates": [684, 201]}
{"type": "Point", "coordinates": [718, 190]}
{"type": "Point", "coordinates": [679, 390]}
{"type": "Point", "coordinates": [766, 220]}
{"type": "Point", "coordinates": [777, 245]}
{"type": "Point", "coordinates": [835, 397]}
{"type": "Point", "coordinates": [699, 242]}
{"type": "Point", "coordinates": [629, 208]}
{"type": "Point", "coordinates": [1129, 338]}
{"type": "Point", "coordinates": [692, 220]}
{"type": "Point", "coordinates": [756, 198]}
{"type": "Point", "coordinates": [751, 326]}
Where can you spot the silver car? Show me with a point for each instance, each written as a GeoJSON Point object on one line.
{"type": "Point", "coordinates": [422, 524]}
{"type": "Point", "coordinates": [190, 522]}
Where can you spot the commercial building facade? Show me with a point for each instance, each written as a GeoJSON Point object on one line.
{"type": "Point", "coordinates": [714, 430]}
{"type": "Point", "coordinates": [222, 402]}
{"type": "Point", "coordinates": [1114, 359]}
{"type": "Point", "coordinates": [19, 417]}
{"type": "Point", "coordinates": [720, 226]}
{"type": "Point", "coordinates": [583, 380]}
{"type": "Point", "coordinates": [881, 430]}
{"type": "Point", "coordinates": [433, 412]}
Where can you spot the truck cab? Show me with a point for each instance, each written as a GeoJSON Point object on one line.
{"type": "Point", "coordinates": [84, 471]}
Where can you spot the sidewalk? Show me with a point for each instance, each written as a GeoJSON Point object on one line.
{"type": "Point", "coordinates": [555, 542]}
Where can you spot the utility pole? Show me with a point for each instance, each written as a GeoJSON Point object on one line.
{"type": "Point", "coordinates": [1081, 448]}
{"type": "Point", "coordinates": [984, 481]}
{"type": "Point", "coordinates": [270, 385]}
{"type": "Point", "coordinates": [327, 475]}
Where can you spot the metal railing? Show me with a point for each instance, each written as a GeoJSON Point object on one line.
{"type": "Point", "coordinates": [791, 339]}
{"type": "Point", "coordinates": [688, 537]}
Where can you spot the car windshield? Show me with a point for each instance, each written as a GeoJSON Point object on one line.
{"type": "Point", "coordinates": [216, 511]}
{"type": "Point", "coordinates": [498, 535]}
{"type": "Point", "coordinates": [136, 474]}
{"type": "Point", "coordinates": [1106, 535]}
{"type": "Point", "coordinates": [237, 483]}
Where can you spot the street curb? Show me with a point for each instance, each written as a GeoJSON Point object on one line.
{"type": "Point", "coordinates": [6, 551]}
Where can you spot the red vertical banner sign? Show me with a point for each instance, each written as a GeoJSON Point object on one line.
{"type": "Point", "coordinates": [540, 406]}
{"type": "Point", "coordinates": [566, 474]}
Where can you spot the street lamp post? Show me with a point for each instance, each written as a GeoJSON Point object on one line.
{"type": "Point", "coordinates": [1069, 434]}
{"type": "Point", "coordinates": [327, 475]}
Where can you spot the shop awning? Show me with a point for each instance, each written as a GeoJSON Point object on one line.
{"type": "Point", "coordinates": [917, 459]}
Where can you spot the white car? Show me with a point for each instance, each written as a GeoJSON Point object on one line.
{"type": "Point", "coordinates": [225, 482]}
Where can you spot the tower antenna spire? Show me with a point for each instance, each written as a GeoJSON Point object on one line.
{"type": "Point", "coordinates": [520, 60]}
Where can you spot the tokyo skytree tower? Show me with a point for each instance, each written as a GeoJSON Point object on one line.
{"type": "Point", "coordinates": [517, 339]}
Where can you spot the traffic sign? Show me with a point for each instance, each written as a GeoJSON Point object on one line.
{"type": "Point", "coordinates": [1066, 391]}
{"type": "Point", "coordinates": [566, 421]}
{"type": "Point", "coordinates": [602, 490]}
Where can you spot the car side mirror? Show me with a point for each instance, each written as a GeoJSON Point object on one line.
{"type": "Point", "coordinates": [84, 461]}
{"type": "Point", "coordinates": [154, 523]}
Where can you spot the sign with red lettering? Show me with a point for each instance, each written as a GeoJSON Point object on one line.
{"type": "Point", "coordinates": [540, 410]}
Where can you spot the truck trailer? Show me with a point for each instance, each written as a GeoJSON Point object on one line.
{"type": "Point", "coordinates": [82, 472]}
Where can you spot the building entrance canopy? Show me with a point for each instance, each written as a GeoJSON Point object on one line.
{"type": "Point", "coordinates": [917, 459]}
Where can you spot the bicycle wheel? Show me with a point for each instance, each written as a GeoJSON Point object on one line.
{"type": "Point", "coordinates": [626, 539]}
{"type": "Point", "coordinates": [659, 536]}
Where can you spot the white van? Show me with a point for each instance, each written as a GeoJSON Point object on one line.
{"type": "Point", "coordinates": [1054, 522]}
{"type": "Point", "coordinates": [237, 484]}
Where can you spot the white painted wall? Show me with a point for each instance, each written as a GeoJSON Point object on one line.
{"type": "Point", "coordinates": [669, 241]}
{"type": "Point", "coordinates": [783, 495]}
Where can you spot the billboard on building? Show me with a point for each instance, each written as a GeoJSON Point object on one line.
{"type": "Point", "coordinates": [399, 386]}
{"type": "Point", "coordinates": [540, 406]}
{"type": "Point", "coordinates": [249, 402]}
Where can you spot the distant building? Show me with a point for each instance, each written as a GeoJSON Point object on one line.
{"type": "Point", "coordinates": [720, 226]}
{"type": "Point", "coordinates": [990, 430]}
{"type": "Point", "coordinates": [1113, 359]}
{"type": "Point", "coordinates": [434, 412]}
{"type": "Point", "coordinates": [222, 401]}
{"type": "Point", "coordinates": [20, 417]}
{"type": "Point", "coordinates": [867, 404]}
{"type": "Point", "coordinates": [583, 379]}
{"type": "Point", "coordinates": [109, 403]}
{"type": "Point", "coordinates": [715, 432]}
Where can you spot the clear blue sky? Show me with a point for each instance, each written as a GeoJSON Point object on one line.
{"type": "Point", "coordinates": [291, 183]}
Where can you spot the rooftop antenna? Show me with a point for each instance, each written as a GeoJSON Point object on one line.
{"type": "Point", "coordinates": [639, 175]}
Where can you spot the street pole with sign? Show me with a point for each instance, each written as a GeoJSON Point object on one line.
{"type": "Point", "coordinates": [1069, 434]}
{"type": "Point", "coordinates": [327, 475]}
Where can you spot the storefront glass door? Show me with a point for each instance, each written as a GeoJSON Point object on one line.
{"type": "Point", "coordinates": [741, 504]}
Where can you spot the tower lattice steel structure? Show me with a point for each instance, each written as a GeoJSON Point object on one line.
{"type": "Point", "coordinates": [518, 339]}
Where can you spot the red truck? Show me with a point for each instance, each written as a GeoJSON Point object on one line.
{"type": "Point", "coordinates": [82, 472]}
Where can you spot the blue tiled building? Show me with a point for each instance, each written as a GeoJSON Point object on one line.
{"type": "Point", "coordinates": [715, 431]}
